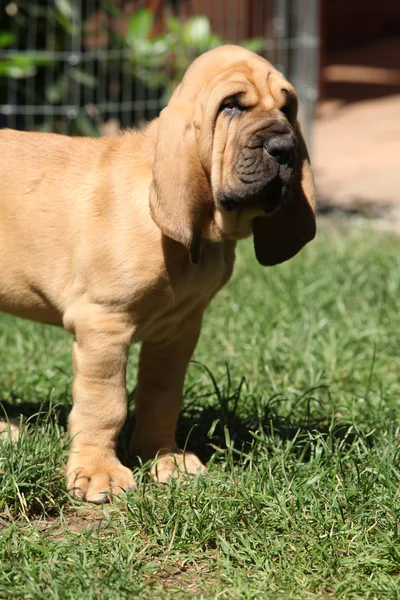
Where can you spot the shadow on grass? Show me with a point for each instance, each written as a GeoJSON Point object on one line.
{"type": "Point", "coordinates": [228, 414]}
{"type": "Point", "coordinates": [209, 421]}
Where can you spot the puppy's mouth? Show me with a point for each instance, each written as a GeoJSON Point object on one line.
{"type": "Point", "coordinates": [273, 195]}
{"type": "Point", "coordinates": [237, 210]}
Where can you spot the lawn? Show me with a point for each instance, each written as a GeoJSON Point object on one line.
{"type": "Point", "coordinates": [292, 398]}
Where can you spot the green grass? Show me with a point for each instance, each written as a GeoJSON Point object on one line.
{"type": "Point", "coordinates": [293, 399]}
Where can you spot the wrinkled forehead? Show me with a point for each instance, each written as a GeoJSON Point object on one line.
{"type": "Point", "coordinates": [231, 70]}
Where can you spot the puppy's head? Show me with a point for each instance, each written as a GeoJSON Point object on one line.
{"type": "Point", "coordinates": [230, 159]}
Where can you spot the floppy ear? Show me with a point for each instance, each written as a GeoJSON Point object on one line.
{"type": "Point", "coordinates": [283, 234]}
{"type": "Point", "coordinates": [180, 194]}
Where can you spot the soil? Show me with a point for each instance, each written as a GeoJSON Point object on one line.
{"type": "Point", "coordinates": [356, 142]}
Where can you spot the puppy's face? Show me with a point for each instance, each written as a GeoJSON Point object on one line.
{"type": "Point", "coordinates": [241, 156]}
{"type": "Point", "coordinates": [254, 145]}
{"type": "Point", "coordinates": [257, 167]}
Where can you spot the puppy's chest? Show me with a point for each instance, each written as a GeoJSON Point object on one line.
{"type": "Point", "coordinates": [180, 293]}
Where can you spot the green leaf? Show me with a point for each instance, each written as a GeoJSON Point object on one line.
{"type": "Point", "coordinates": [254, 44]}
{"type": "Point", "coordinates": [55, 92]}
{"type": "Point", "coordinates": [174, 25]}
{"type": "Point", "coordinates": [142, 48]}
{"type": "Point", "coordinates": [14, 71]}
{"type": "Point", "coordinates": [30, 57]}
{"type": "Point", "coordinates": [86, 127]}
{"type": "Point", "coordinates": [67, 9]}
{"type": "Point", "coordinates": [160, 46]}
{"type": "Point", "coordinates": [151, 78]}
{"type": "Point", "coordinates": [6, 39]}
{"type": "Point", "coordinates": [83, 78]}
{"type": "Point", "coordinates": [140, 26]}
{"type": "Point", "coordinates": [20, 65]}
{"type": "Point", "coordinates": [214, 41]}
{"type": "Point", "coordinates": [67, 15]}
{"type": "Point", "coordinates": [196, 30]}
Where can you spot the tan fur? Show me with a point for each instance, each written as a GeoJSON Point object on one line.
{"type": "Point", "coordinates": [120, 240]}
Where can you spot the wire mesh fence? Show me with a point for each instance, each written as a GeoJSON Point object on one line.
{"type": "Point", "coordinates": [93, 66]}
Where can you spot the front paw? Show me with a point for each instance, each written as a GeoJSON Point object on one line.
{"type": "Point", "coordinates": [176, 463]}
{"type": "Point", "coordinates": [97, 478]}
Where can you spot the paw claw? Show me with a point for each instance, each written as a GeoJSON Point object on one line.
{"type": "Point", "coordinates": [176, 464]}
{"type": "Point", "coordinates": [98, 481]}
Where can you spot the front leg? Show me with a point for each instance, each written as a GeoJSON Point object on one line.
{"type": "Point", "coordinates": [100, 353]}
{"type": "Point", "coordinates": [158, 401]}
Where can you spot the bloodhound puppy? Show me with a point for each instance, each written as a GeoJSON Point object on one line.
{"type": "Point", "coordinates": [127, 239]}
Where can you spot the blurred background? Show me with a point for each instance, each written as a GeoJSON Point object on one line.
{"type": "Point", "coordinates": [91, 67]}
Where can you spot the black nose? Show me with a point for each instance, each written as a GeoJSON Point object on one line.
{"type": "Point", "coordinates": [281, 147]}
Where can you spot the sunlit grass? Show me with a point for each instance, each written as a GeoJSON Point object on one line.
{"type": "Point", "coordinates": [293, 398]}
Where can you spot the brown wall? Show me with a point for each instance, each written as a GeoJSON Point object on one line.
{"type": "Point", "coordinates": [348, 23]}
{"type": "Point", "coordinates": [234, 20]}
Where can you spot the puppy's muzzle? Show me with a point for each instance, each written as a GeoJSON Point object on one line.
{"type": "Point", "coordinates": [266, 173]}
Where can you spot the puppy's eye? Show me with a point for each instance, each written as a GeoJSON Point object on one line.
{"type": "Point", "coordinates": [231, 106]}
{"type": "Point", "coordinates": [289, 108]}
{"type": "Point", "coordinates": [286, 111]}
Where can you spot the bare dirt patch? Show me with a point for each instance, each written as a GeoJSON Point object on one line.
{"type": "Point", "coordinates": [356, 144]}
{"type": "Point", "coordinates": [357, 154]}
